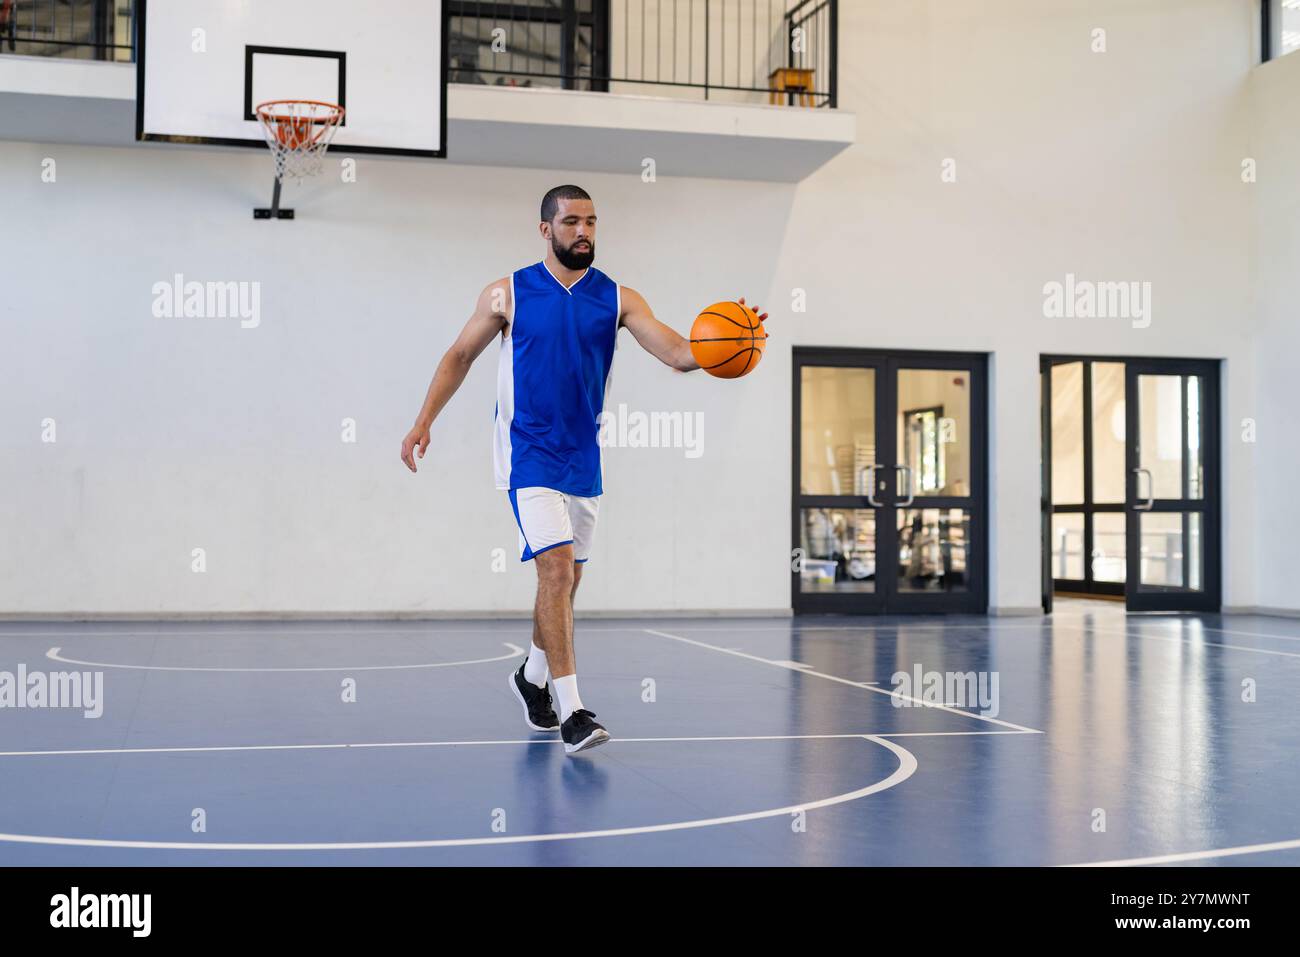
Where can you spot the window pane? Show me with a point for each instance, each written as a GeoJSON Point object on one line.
{"type": "Point", "coordinates": [1067, 433]}
{"type": "Point", "coordinates": [1284, 16]}
{"type": "Point", "coordinates": [1194, 551]}
{"type": "Point", "coordinates": [934, 431]}
{"type": "Point", "coordinates": [932, 549]}
{"type": "Point", "coordinates": [1195, 465]}
{"type": "Point", "coordinates": [1067, 546]}
{"type": "Point", "coordinates": [1108, 432]}
{"type": "Point", "coordinates": [1108, 553]}
{"type": "Point", "coordinates": [1160, 444]}
{"type": "Point", "coordinates": [533, 52]}
{"type": "Point", "coordinates": [837, 431]}
{"type": "Point", "coordinates": [839, 550]}
{"type": "Point", "coordinates": [1170, 554]}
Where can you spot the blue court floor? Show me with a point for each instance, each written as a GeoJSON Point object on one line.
{"type": "Point", "coordinates": [736, 741]}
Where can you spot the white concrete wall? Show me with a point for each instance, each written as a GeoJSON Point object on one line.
{"type": "Point", "coordinates": [1117, 165]}
{"type": "Point", "coordinates": [1275, 455]}
{"type": "Point", "coordinates": [181, 433]}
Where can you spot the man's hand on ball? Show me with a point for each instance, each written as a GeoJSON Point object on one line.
{"type": "Point", "coordinates": [753, 309]}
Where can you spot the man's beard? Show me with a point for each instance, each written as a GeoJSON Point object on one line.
{"type": "Point", "coordinates": [573, 259]}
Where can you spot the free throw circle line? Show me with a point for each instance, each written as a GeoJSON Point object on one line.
{"type": "Point", "coordinates": [515, 652]}
{"type": "Point", "coordinates": [906, 768]}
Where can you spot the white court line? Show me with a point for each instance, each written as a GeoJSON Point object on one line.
{"type": "Point", "coordinates": [1244, 634]}
{"type": "Point", "coordinates": [233, 747]}
{"type": "Point", "coordinates": [1195, 855]}
{"type": "Point", "coordinates": [515, 652]}
{"type": "Point", "coordinates": [989, 625]}
{"type": "Point", "coordinates": [524, 632]}
{"type": "Point", "coordinates": [845, 681]}
{"type": "Point", "coordinates": [872, 630]}
{"type": "Point", "coordinates": [1068, 628]}
{"type": "Point", "coordinates": [254, 633]}
{"type": "Point", "coordinates": [455, 744]}
{"type": "Point", "coordinates": [906, 768]}
{"type": "Point", "coordinates": [1127, 632]}
{"type": "Point", "coordinates": [945, 734]}
{"type": "Point", "coordinates": [1192, 640]}
{"type": "Point", "coordinates": [868, 625]}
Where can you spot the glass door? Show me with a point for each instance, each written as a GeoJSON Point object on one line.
{"type": "Point", "coordinates": [837, 472]}
{"type": "Point", "coordinates": [890, 465]}
{"type": "Point", "coordinates": [1172, 501]}
{"type": "Point", "coordinates": [934, 506]}
{"type": "Point", "coordinates": [1084, 438]}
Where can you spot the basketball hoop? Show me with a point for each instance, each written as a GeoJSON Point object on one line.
{"type": "Point", "coordinates": [298, 133]}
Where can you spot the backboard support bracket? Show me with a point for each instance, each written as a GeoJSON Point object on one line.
{"type": "Point", "coordinates": [274, 212]}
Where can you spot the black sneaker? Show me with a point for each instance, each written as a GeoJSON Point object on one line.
{"type": "Point", "coordinates": [538, 713]}
{"type": "Point", "coordinates": [580, 732]}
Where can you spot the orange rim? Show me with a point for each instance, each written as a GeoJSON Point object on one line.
{"type": "Point", "coordinates": [261, 111]}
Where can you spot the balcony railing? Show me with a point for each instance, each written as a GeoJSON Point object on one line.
{"type": "Point", "coordinates": [763, 51]}
{"type": "Point", "coordinates": [773, 51]}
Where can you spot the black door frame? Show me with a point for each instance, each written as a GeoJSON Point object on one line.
{"type": "Point", "coordinates": [1210, 597]}
{"type": "Point", "coordinates": [886, 598]}
{"type": "Point", "coordinates": [1087, 585]}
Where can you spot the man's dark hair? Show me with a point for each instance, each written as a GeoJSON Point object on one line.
{"type": "Point", "coordinates": [551, 201]}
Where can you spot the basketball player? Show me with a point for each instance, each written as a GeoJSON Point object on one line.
{"type": "Point", "coordinates": [558, 321]}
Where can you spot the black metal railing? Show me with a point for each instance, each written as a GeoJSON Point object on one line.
{"type": "Point", "coordinates": [73, 29]}
{"type": "Point", "coordinates": [775, 51]}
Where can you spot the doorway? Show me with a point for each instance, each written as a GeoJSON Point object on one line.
{"type": "Point", "coordinates": [890, 478]}
{"type": "Point", "coordinates": [1130, 478]}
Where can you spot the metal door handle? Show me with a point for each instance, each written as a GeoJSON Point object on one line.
{"type": "Point", "coordinates": [1151, 490]}
{"type": "Point", "coordinates": [871, 482]}
{"type": "Point", "coordinates": [911, 494]}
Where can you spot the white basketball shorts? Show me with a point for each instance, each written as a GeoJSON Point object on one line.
{"type": "Point", "coordinates": [548, 519]}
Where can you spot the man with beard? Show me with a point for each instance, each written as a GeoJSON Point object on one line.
{"type": "Point", "coordinates": [558, 321]}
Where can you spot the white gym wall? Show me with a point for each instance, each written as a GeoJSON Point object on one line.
{"type": "Point", "coordinates": [1275, 456]}
{"type": "Point", "coordinates": [175, 434]}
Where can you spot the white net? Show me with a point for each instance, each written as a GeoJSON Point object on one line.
{"type": "Point", "coordinates": [298, 133]}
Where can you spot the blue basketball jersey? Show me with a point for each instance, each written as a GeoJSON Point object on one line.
{"type": "Point", "coordinates": [557, 351]}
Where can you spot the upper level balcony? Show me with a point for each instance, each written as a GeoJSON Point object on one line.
{"type": "Point", "coordinates": [742, 89]}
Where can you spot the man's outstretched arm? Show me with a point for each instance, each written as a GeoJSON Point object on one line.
{"type": "Point", "coordinates": [654, 337]}
{"type": "Point", "coordinates": [484, 325]}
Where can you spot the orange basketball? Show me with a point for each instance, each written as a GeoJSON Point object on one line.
{"type": "Point", "coordinates": [727, 340]}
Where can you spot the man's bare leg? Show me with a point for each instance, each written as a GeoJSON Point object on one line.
{"type": "Point", "coordinates": [557, 584]}
{"type": "Point", "coordinates": [537, 666]}
{"type": "Point", "coordinates": [553, 611]}
{"type": "Point", "coordinates": [552, 641]}
{"type": "Point", "coordinates": [540, 675]}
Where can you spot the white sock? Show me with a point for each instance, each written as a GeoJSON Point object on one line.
{"type": "Point", "coordinates": [535, 667]}
{"type": "Point", "coordinates": [566, 689]}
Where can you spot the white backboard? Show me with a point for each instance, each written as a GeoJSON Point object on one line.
{"type": "Point", "coordinates": [203, 65]}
